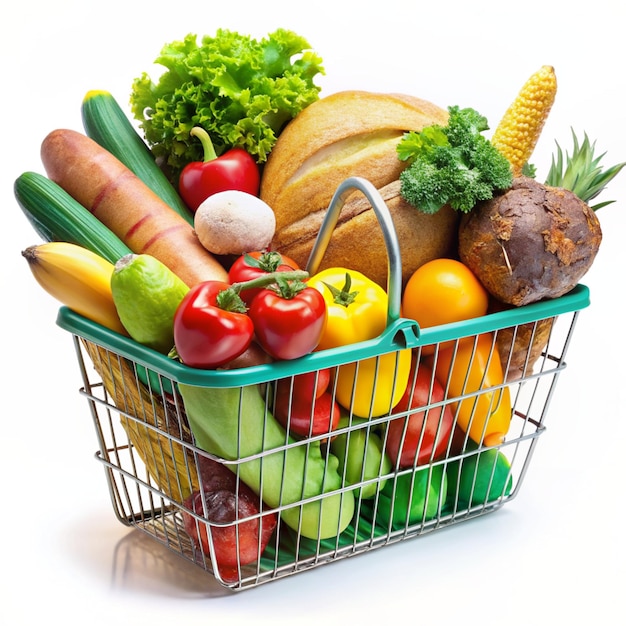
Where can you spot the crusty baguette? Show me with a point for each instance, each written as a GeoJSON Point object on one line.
{"type": "Point", "coordinates": [349, 133]}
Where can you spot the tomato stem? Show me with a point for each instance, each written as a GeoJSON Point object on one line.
{"type": "Point", "coordinates": [268, 261]}
{"type": "Point", "coordinates": [230, 300]}
{"type": "Point", "coordinates": [270, 278]}
{"type": "Point", "coordinates": [285, 283]}
{"type": "Point", "coordinates": [286, 288]}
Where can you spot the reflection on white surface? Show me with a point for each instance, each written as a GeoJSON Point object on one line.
{"type": "Point", "coordinates": [141, 563]}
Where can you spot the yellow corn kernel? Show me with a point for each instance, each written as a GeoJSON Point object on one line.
{"type": "Point", "coordinates": [518, 132]}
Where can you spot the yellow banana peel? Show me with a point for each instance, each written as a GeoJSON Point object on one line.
{"type": "Point", "coordinates": [78, 278]}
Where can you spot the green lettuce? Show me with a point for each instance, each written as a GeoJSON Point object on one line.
{"type": "Point", "coordinates": [242, 91]}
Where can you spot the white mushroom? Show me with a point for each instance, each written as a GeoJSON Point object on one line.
{"type": "Point", "coordinates": [234, 222]}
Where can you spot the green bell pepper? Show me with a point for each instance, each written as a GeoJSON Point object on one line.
{"type": "Point", "coordinates": [413, 497]}
{"type": "Point", "coordinates": [480, 478]}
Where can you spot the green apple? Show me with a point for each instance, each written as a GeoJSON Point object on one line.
{"type": "Point", "coordinates": [413, 497]}
{"type": "Point", "coordinates": [482, 477]}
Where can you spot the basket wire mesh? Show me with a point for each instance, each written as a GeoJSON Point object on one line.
{"type": "Point", "coordinates": [151, 461]}
{"type": "Point", "coordinates": [148, 444]}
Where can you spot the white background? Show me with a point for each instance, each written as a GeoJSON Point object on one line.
{"type": "Point", "coordinates": [556, 554]}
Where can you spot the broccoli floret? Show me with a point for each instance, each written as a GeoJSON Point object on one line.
{"type": "Point", "coordinates": [453, 164]}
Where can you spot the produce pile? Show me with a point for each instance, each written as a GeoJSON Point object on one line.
{"type": "Point", "coordinates": [193, 240]}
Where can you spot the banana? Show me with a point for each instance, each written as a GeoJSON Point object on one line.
{"type": "Point", "coordinates": [78, 278]}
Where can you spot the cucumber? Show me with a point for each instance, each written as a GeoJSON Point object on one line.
{"type": "Point", "coordinates": [106, 123]}
{"type": "Point", "coordinates": [57, 216]}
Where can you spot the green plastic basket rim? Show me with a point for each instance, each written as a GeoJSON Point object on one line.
{"type": "Point", "coordinates": [400, 334]}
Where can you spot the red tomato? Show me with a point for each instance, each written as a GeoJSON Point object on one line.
{"type": "Point", "coordinates": [205, 335]}
{"type": "Point", "coordinates": [307, 418]}
{"type": "Point", "coordinates": [288, 327]}
{"type": "Point", "coordinates": [430, 430]}
{"type": "Point", "coordinates": [304, 387]}
{"type": "Point", "coordinates": [254, 264]}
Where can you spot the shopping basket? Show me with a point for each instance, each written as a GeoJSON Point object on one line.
{"type": "Point", "coordinates": [153, 450]}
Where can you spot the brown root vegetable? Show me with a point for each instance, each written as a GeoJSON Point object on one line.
{"type": "Point", "coordinates": [531, 243]}
{"type": "Point", "coordinates": [520, 346]}
{"type": "Point", "coordinates": [523, 345]}
{"type": "Point", "coordinates": [126, 205]}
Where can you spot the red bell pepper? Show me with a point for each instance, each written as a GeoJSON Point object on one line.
{"type": "Point", "coordinates": [235, 169]}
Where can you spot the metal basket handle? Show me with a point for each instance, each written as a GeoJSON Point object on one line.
{"type": "Point", "coordinates": [394, 264]}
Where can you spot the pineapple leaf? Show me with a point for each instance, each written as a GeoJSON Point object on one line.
{"type": "Point", "coordinates": [580, 171]}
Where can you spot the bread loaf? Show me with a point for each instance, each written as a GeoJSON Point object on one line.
{"type": "Point", "coordinates": [352, 133]}
{"type": "Point", "coordinates": [357, 242]}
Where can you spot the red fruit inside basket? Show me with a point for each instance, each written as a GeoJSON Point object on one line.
{"type": "Point", "coordinates": [237, 540]}
{"type": "Point", "coordinates": [304, 387]}
{"type": "Point", "coordinates": [425, 433]}
{"type": "Point", "coordinates": [304, 405]}
{"type": "Point", "coordinates": [308, 419]}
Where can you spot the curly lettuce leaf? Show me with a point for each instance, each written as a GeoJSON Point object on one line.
{"type": "Point", "coordinates": [242, 91]}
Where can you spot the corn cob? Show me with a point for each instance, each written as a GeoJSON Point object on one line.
{"type": "Point", "coordinates": [77, 277]}
{"type": "Point", "coordinates": [518, 132]}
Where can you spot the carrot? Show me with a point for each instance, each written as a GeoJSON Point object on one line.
{"type": "Point", "coordinates": [126, 205]}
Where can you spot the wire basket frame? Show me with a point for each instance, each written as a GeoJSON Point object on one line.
{"type": "Point", "coordinates": [159, 459]}
{"type": "Point", "coordinates": [152, 463]}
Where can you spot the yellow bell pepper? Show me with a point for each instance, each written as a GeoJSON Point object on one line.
{"type": "Point", "coordinates": [469, 367]}
{"type": "Point", "coordinates": [356, 310]}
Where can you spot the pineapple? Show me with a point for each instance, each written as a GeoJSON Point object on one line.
{"type": "Point", "coordinates": [580, 172]}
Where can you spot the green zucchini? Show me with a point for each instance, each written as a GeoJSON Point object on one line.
{"type": "Point", "coordinates": [57, 216]}
{"type": "Point", "coordinates": [106, 123]}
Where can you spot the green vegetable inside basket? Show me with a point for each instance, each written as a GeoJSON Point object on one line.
{"type": "Point", "coordinates": [234, 423]}
{"type": "Point", "coordinates": [480, 478]}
